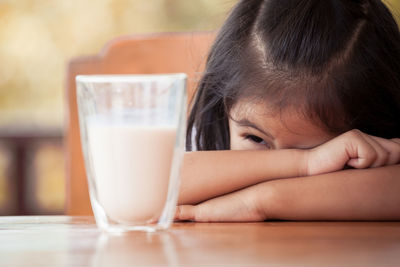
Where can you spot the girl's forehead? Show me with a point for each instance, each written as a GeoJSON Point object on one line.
{"type": "Point", "coordinates": [284, 122]}
{"type": "Point", "coordinates": [249, 109]}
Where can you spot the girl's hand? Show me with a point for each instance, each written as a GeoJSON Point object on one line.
{"type": "Point", "coordinates": [355, 149]}
{"type": "Point", "coordinates": [239, 206]}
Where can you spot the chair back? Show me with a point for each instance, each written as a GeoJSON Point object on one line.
{"type": "Point", "coordinates": [143, 54]}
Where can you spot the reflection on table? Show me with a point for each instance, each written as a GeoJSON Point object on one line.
{"type": "Point", "coordinates": [64, 241]}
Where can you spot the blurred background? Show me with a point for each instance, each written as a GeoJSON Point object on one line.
{"type": "Point", "coordinates": [37, 38]}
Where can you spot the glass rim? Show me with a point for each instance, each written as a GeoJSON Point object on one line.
{"type": "Point", "coordinates": [104, 78]}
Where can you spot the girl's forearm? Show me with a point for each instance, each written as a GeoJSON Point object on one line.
{"type": "Point", "coordinates": [368, 194]}
{"type": "Point", "coordinates": [207, 174]}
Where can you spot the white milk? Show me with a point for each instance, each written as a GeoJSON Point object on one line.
{"type": "Point", "coordinates": [131, 166]}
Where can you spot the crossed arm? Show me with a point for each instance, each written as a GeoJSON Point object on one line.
{"type": "Point", "coordinates": [249, 185]}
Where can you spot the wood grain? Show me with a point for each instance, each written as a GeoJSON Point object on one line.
{"type": "Point", "coordinates": [65, 241]}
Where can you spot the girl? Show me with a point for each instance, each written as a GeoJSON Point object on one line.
{"type": "Point", "coordinates": [286, 84]}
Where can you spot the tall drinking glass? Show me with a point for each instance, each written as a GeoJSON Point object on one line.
{"type": "Point", "coordinates": [132, 131]}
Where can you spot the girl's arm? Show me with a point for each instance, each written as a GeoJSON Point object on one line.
{"type": "Point", "coordinates": [368, 194]}
{"type": "Point", "coordinates": [208, 174]}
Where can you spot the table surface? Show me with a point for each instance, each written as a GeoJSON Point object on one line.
{"type": "Point", "coordinates": [75, 241]}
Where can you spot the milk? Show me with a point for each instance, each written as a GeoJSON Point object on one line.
{"type": "Point", "coordinates": [131, 162]}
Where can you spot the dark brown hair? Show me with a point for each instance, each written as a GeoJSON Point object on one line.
{"type": "Point", "coordinates": [336, 61]}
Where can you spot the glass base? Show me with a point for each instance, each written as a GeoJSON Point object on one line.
{"type": "Point", "coordinates": [106, 224]}
{"type": "Point", "coordinates": [117, 229]}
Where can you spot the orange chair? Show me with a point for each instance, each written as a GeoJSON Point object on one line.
{"type": "Point", "coordinates": [155, 53]}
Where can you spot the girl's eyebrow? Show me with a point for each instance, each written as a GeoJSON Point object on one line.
{"type": "Point", "coordinates": [247, 123]}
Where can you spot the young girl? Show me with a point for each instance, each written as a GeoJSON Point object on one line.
{"type": "Point", "coordinates": [305, 90]}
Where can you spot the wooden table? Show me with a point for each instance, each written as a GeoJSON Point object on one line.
{"type": "Point", "coordinates": [75, 241]}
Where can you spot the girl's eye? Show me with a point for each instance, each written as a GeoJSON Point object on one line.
{"type": "Point", "coordinates": [255, 139]}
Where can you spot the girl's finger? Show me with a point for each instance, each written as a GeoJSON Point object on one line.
{"type": "Point", "coordinates": [239, 206]}
{"type": "Point", "coordinates": [204, 212]}
{"type": "Point", "coordinates": [361, 153]}
{"type": "Point", "coordinates": [396, 140]}
{"type": "Point", "coordinates": [382, 155]}
{"type": "Point", "coordinates": [392, 146]}
{"type": "Point", "coordinates": [185, 213]}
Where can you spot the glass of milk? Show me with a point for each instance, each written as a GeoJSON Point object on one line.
{"type": "Point", "coordinates": [132, 133]}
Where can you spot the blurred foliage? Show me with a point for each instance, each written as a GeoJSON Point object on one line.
{"type": "Point", "coordinates": [394, 6]}
{"type": "Point", "coordinates": [37, 37]}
